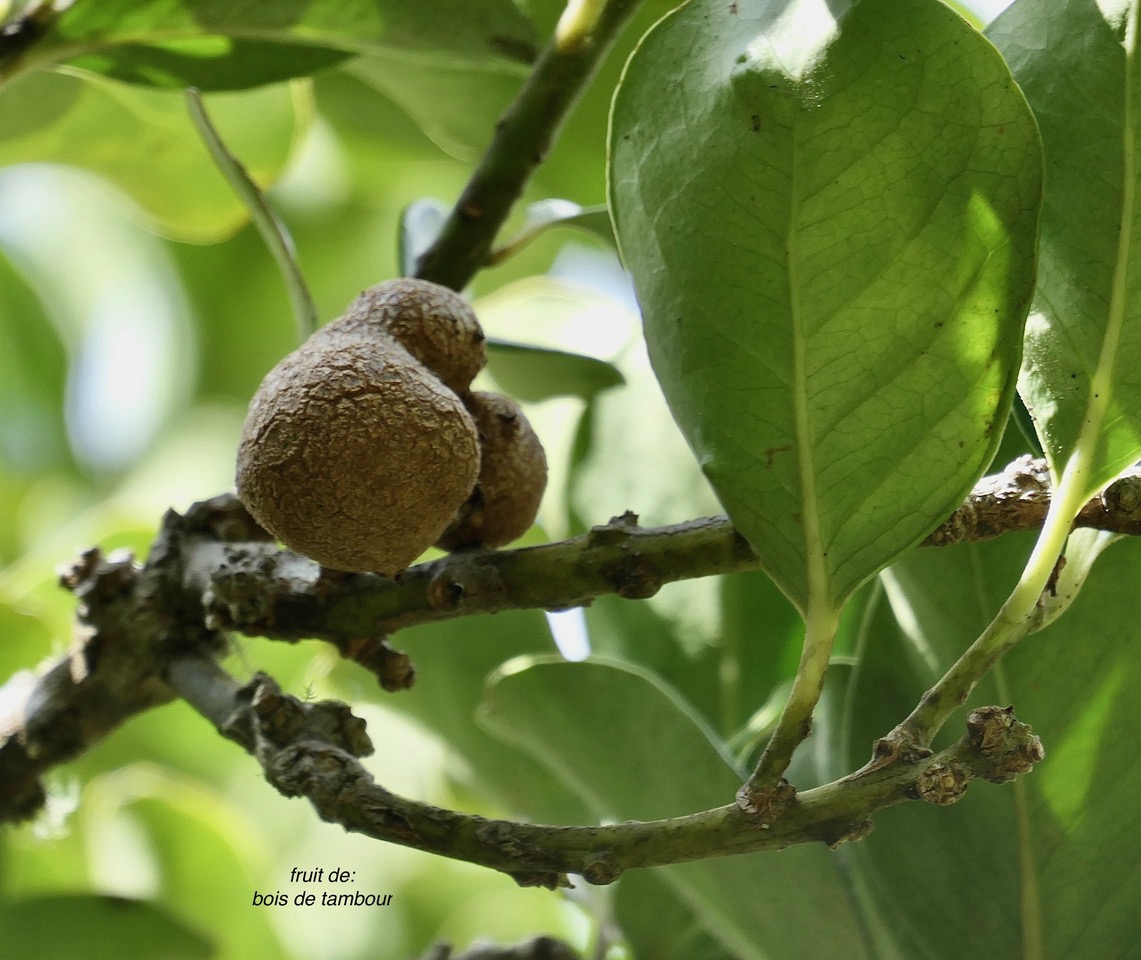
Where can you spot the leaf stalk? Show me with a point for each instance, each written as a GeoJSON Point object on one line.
{"type": "Point", "coordinates": [273, 231]}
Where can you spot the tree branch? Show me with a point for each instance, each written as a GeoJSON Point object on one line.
{"type": "Point", "coordinates": [311, 750]}
{"type": "Point", "coordinates": [214, 569]}
{"type": "Point", "coordinates": [522, 138]}
{"type": "Point", "coordinates": [255, 588]}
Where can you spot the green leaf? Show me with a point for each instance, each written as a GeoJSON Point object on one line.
{"type": "Point", "coordinates": [1083, 338]}
{"type": "Point", "coordinates": [33, 372]}
{"type": "Point", "coordinates": [723, 643]}
{"type": "Point", "coordinates": [1033, 868]}
{"type": "Point", "coordinates": [532, 374]}
{"type": "Point", "coordinates": [455, 104]}
{"type": "Point", "coordinates": [831, 225]}
{"type": "Point", "coordinates": [656, 923]}
{"type": "Point", "coordinates": [633, 750]}
{"type": "Point", "coordinates": [144, 143]}
{"type": "Point", "coordinates": [215, 45]}
{"type": "Point", "coordinates": [453, 660]}
{"type": "Point", "coordinates": [97, 928]}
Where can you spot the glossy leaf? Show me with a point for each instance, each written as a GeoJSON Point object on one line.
{"type": "Point", "coordinates": [1033, 868]}
{"type": "Point", "coordinates": [1083, 339]}
{"type": "Point", "coordinates": [632, 750]}
{"type": "Point", "coordinates": [143, 142]}
{"type": "Point", "coordinates": [216, 45]}
{"type": "Point", "coordinates": [97, 928]}
{"type": "Point", "coordinates": [830, 218]}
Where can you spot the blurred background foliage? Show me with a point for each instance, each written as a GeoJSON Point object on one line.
{"type": "Point", "coordinates": [139, 311]}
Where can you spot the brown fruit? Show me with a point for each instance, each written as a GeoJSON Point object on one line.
{"type": "Point", "coordinates": [432, 323]}
{"type": "Point", "coordinates": [354, 454]}
{"type": "Point", "coordinates": [512, 477]}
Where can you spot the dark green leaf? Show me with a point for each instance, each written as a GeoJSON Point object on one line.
{"type": "Point", "coordinates": [216, 45]}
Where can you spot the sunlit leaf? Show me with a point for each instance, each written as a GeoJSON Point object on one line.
{"type": "Point", "coordinates": [1083, 340]}
{"type": "Point", "coordinates": [830, 217]}
{"type": "Point", "coordinates": [420, 223]}
{"type": "Point", "coordinates": [143, 142]}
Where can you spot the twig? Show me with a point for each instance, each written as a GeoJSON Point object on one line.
{"type": "Point", "coordinates": [766, 794]}
{"type": "Point", "coordinates": [522, 139]}
{"type": "Point", "coordinates": [311, 750]}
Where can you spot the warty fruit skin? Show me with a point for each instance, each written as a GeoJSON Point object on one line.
{"type": "Point", "coordinates": [434, 324]}
{"type": "Point", "coordinates": [512, 477]}
{"type": "Point", "coordinates": [355, 455]}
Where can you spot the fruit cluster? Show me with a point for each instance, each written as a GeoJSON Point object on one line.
{"type": "Point", "coordinates": [366, 445]}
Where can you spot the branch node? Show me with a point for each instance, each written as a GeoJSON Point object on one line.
{"type": "Point", "coordinates": [1009, 745]}
{"type": "Point", "coordinates": [601, 871]}
{"type": "Point", "coordinates": [943, 782]}
{"type": "Point", "coordinates": [268, 714]}
{"type": "Point", "coordinates": [764, 803]}
{"type": "Point", "coordinates": [617, 530]}
{"type": "Point", "coordinates": [393, 668]}
{"type": "Point", "coordinates": [473, 580]}
{"type": "Point", "coordinates": [1124, 498]}
{"type": "Point", "coordinates": [224, 518]}
{"type": "Point", "coordinates": [899, 746]}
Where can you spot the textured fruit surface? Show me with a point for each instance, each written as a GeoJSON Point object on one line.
{"type": "Point", "coordinates": [354, 455]}
{"type": "Point", "coordinates": [432, 323]}
{"type": "Point", "coordinates": [512, 477]}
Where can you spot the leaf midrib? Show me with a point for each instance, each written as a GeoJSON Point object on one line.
{"type": "Point", "coordinates": [816, 570]}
